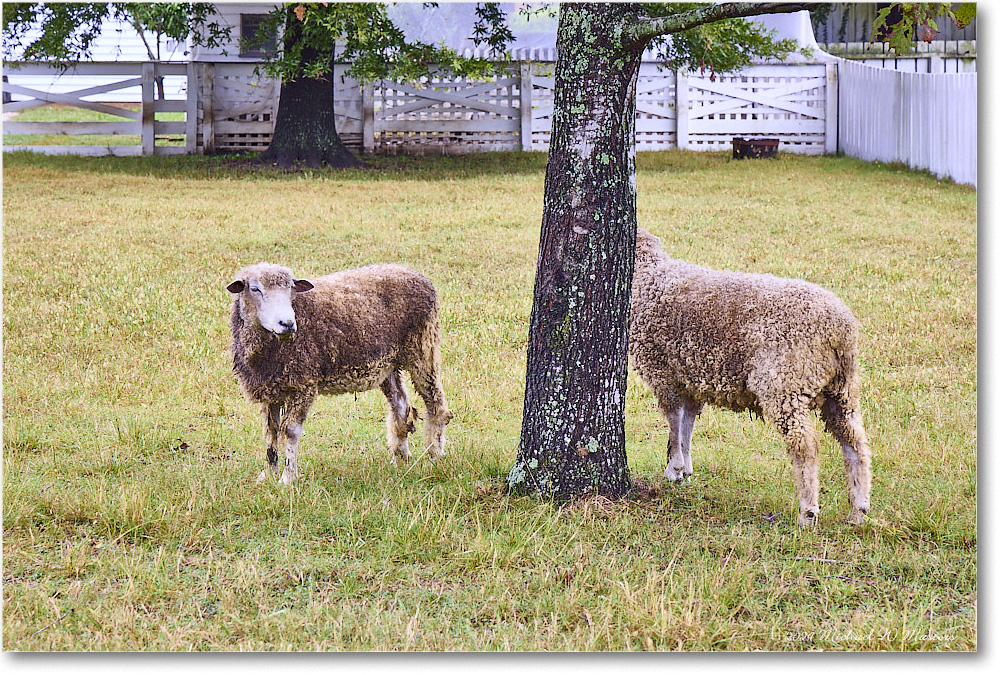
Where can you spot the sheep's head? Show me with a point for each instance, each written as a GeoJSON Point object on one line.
{"type": "Point", "coordinates": [267, 291]}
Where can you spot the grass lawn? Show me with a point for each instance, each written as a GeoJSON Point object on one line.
{"type": "Point", "coordinates": [131, 519]}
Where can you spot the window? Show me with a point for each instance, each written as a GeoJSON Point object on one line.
{"type": "Point", "coordinates": [254, 42]}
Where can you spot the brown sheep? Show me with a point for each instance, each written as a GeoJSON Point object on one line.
{"type": "Point", "coordinates": [351, 331]}
{"type": "Point", "coordinates": [777, 347]}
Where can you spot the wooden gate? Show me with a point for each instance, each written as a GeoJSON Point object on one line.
{"type": "Point", "coordinates": [349, 103]}
{"type": "Point", "coordinates": [238, 105]}
{"type": "Point", "coordinates": [448, 115]}
{"type": "Point", "coordinates": [794, 103]}
{"type": "Point", "coordinates": [541, 104]}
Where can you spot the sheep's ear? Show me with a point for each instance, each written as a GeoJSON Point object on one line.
{"type": "Point", "coordinates": [236, 287]}
{"type": "Point", "coordinates": [302, 285]}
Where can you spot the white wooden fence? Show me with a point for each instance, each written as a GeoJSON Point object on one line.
{"type": "Point", "coordinates": [926, 121]}
{"type": "Point", "coordinates": [141, 123]}
{"type": "Point", "coordinates": [228, 107]}
{"type": "Point", "coordinates": [234, 108]}
{"type": "Point", "coordinates": [788, 102]}
{"type": "Point", "coordinates": [446, 114]}
{"type": "Point", "coordinates": [945, 56]}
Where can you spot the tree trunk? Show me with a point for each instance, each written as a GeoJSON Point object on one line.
{"type": "Point", "coordinates": [305, 133]}
{"type": "Point", "coordinates": [573, 430]}
{"type": "Point", "coordinates": [304, 130]}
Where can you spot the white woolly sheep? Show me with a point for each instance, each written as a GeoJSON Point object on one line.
{"type": "Point", "coordinates": [351, 331]}
{"type": "Point", "coordinates": [777, 347]}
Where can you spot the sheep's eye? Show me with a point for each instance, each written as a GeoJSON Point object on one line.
{"type": "Point", "coordinates": [255, 289]}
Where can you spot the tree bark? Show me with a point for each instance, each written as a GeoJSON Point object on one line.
{"type": "Point", "coordinates": [305, 132]}
{"type": "Point", "coordinates": [573, 429]}
{"type": "Point", "coordinates": [304, 129]}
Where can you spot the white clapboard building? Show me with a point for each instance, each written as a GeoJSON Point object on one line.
{"type": "Point", "coordinates": [119, 42]}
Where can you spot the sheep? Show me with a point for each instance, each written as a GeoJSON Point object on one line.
{"type": "Point", "coordinates": [776, 347]}
{"type": "Point", "coordinates": [351, 331]}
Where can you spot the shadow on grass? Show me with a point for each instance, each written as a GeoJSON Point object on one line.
{"type": "Point", "coordinates": [399, 167]}
{"type": "Point", "coordinates": [246, 166]}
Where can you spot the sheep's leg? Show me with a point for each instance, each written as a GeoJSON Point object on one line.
{"type": "Point", "coordinates": [399, 421]}
{"type": "Point", "coordinates": [849, 431]}
{"type": "Point", "coordinates": [803, 446]}
{"type": "Point", "coordinates": [426, 376]}
{"type": "Point", "coordinates": [271, 412]}
{"type": "Point", "coordinates": [691, 409]}
{"type": "Point", "coordinates": [291, 428]}
{"type": "Point", "coordinates": [675, 453]}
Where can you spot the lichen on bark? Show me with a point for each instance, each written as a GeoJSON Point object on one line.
{"type": "Point", "coordinates": [572, 438]}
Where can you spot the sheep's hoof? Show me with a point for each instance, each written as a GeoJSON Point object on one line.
{"type": "Point", "coordinates": [857, 516]}
{"type": "Point", "coordinates": [674, 475]}
{"type": "Point", "coordinates": [808, 518]}
{"type": "Point", "coordinates": [263, 476]}
{"type": "Point", "coordinates": [288, 478]}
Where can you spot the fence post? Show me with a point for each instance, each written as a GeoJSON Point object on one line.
{"type": "Point", "coordinates": [148, 109]}
{"type": "Point", "coordinates": [191, 111]}
{"type": "Point", "coordinates": [681, 107]}
{"type": "Point", "coordinates": [525, 88]}
{"type": "Point", "coordinates": [368, 119]}
{"type": "Point", "coordinates": [208, 109]}
{"type": "Point", "coordinates": [832, 107]}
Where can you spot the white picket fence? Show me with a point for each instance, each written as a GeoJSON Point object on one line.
{"type": "Point", "coordinates": [926, 121]}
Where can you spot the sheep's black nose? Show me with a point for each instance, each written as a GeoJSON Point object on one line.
{"type": "Point", "coordinates": [287, 330]}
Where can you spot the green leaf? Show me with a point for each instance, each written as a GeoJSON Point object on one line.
{"type": "Point", "coordinates": [719, 47]}
{"type": "Point", "coordinates": [964, 14]}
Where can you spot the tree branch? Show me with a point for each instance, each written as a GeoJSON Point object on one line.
{"type": "Point", "coordinates": [137, 27]}
{"type": "Point", "coordinates": [646, 29]}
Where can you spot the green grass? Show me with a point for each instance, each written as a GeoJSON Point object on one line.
{"type": "Point", "coordinates": [64, 113]}
{"type": "Point", "coordinates": [130, 513]}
